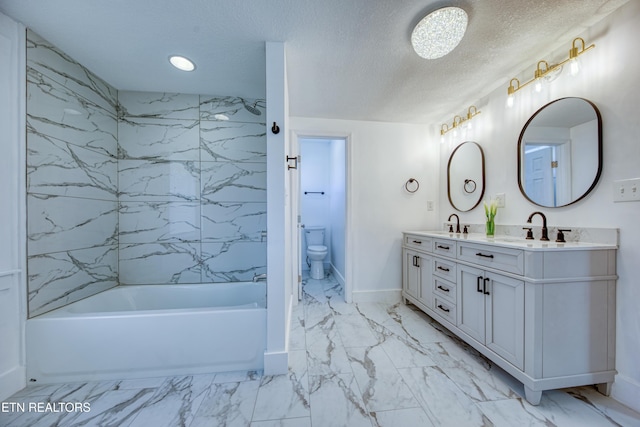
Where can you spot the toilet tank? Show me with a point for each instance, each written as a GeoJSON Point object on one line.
{"type": "Point", "coordinates": [314, 235]}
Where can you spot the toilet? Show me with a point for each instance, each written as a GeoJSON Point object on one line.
{"type": "Point", "coordinates": [316, 251]}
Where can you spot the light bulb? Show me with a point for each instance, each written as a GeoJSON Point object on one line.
{"type": "Point", "coordinates": [538, 86]}
{"type": "Point", "coordinates": [510, 101]}
{"type": "Point", "coordinates": [182, 63]}
{"type": "Point", "coordinates": [574, 67]}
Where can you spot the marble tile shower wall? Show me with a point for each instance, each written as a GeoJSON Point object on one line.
{"type": "Point", "coordinates": [72, 205]}
{"type": "Point", "coordinates": [192, 189]}
{"type": "Point", "coordinates": [136, 188]}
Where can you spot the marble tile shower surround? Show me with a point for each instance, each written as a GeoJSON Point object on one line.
{"type": "Point", "coordinates": [132, 187]}
{"type": "Point", "coordinates": [366, 364]}
{"type": "Point", "coordinates": [192, 189]}
{"type": "Point", "coordinates": [72, 171]}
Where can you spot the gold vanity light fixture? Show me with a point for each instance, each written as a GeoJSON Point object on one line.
{"type": "Point", "coordinates": [546, 71]}
{"type": "Point", "coordinates": [459, 120]}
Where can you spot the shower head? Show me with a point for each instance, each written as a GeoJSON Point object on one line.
{"type": "Point", "coordinates": [252, 108]}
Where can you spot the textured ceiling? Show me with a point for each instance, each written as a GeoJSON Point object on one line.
{"type": "Point", "coordinates": [346, 59]}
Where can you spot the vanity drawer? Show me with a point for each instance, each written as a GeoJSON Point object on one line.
{"type": "Point", "coordinates": [445, 309]}
{"type": "Point", "coordinates": [505, 259]}
{"type": "Point", "coordinates": [444, 289]}
{"type": "Point", "coordinates": [445, 268]}
{"type": "Point", "coordinates": [417, 242]}
{"type": "Point", "coordinates": [444, 247]}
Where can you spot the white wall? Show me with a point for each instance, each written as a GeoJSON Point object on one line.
{"type": "Point", "coordinates": [381, 158]}
{"type": "Point", "coordinates": [609, 78]}
{"type": "Point", "coordinates": [337, 207]}
{"type": "Point", "coordinates": [279, 254]}
{"type": "Point", "coordinates": [12, 207]}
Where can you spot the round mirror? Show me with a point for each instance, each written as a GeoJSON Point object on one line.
{"type": "Point", "coordinates": [465, 176]}
{"type": "Point", "coordinates": [560, 152]}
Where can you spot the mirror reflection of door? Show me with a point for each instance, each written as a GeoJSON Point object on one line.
{"type": "Point", "coordinates": [547, 172]}
{"type": "Point", "coordinates": [539, 174]}
{"type": "Point", "coordinates": [560, 152]}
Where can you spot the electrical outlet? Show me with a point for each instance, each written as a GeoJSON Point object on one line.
{"type": "Point", "coordinates": [626, 190]}
{"type": "Point", "coordinates": [500, 200]}
{"type": "Point", "coordinates": [430, 205]}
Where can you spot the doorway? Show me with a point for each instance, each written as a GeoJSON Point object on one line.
{"type": "Point", "coordinates": [323, 200]}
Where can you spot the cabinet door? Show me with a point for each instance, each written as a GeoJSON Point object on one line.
{"type": "Point", "coordinates": [504, 324]}
{"type": "Point", "coordinates": [411, 273]}
{"type": "Point", "coordinates": [426, 285]}
{"type": "Point", "coordinates": [471, 304]}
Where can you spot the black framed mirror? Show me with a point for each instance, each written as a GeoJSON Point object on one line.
{"type": "Point", "coordinates": [560, 152]}
{"type": "Point", "coordinates": [465, 176]}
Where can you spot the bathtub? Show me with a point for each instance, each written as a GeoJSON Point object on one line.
{"type": "Point", "coordinates": [150, 330]}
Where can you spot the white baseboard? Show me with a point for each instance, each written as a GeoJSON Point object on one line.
{"type": "Point", "coordinates": [339, 277]}
{"type": "Point", "coordinates": [626, 391]}
{"type": "Point", "coordinates": [390, 296]}
{"type": "Point", "coordinates": [12, 381]}
{"type": "Point", "coordinates": [276, 363]}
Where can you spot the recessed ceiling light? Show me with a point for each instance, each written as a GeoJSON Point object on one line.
{"type": "Point", "coordinates": [439, 32]}
{"type": "Point", "coordinates": [182, 63]}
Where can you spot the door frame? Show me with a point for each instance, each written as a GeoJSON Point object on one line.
{"type": "Point", "coordinates": [296, 136]}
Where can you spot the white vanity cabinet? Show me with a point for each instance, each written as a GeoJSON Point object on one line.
{"type": "Point", "coordinates": [491, 311]}
{"type": "Point", "coordinates": [417, 275]}
{"type": "Point", "coordinates": [542, 311]}
{"type": "Point", "coordinates": [416, 271]}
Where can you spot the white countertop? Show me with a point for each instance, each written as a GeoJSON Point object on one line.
{"type": "Point", "coordinates": [513, 242]}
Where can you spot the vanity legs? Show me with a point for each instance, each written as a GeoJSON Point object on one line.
{"type": "Point", "coordinates": [604, 388]}
{"type": "Point", "coordinates": [532, 396]}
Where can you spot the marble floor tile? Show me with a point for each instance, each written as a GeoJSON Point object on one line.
{"type": "Point", "coordinates": [401, 417]}
{"type": "Point", "coordinates": [442, 400]}
{"type": "Point", "coordinates": [175, 402]}
{"type": "Point", "coordinates": [354, 330]}
{"type": "Point", "coordinates": [381, 386]}
{"type": "Point", "coordinates": [284, 396]}
{"type": "Point", "coordinates": [337, 401]}
{"type": "Point", "coordinates": [406, 353]}
{"type": "Point", "coordinates": [114, 408]}
{"type": "Point", "coordinates": [286, 422]}
{"type": "Point", "coordinates": [297, 334]}
{"type": "Point", "coordinates": [584, 406]}
{"type": "Point", "coordinates": [414, 373]}
{"type": "Point", "coordinates": [325, 352]}
{"type": "Point", "coordinates": [515, 412]}
{"type": "Point", "coordinates": [227, 404]}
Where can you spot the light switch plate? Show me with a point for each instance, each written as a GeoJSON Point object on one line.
{"type": "Point", "coordinates": [500, 200]}
{"type": "Point", "coordinates": [626, 190]}
{"type": "Point", "coordinates": [429, 205]}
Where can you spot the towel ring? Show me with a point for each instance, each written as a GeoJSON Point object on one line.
{"type": "Point", "coordinates": [469, 186]}
{"type": "Point", "coordinates": [409, 182]}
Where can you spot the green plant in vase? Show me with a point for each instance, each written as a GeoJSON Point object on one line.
{"type": "Point", "coordinates": [490, 210]}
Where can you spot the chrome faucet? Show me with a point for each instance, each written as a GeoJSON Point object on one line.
{"type": "Point", "coordinates": [457, 223]}
{"type": "Point", "coordinates": [545, 236]}
{"type": "Point", "coordinates": [259, 277]}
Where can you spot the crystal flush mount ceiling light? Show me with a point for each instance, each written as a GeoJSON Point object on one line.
{"type": "Point", "coordinates": [439, 32]}
{"type": "Point", "coordinates": [182, 63]}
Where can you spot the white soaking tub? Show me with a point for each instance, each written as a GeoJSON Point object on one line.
{"type": "Point", "coordinates": [150, 330]}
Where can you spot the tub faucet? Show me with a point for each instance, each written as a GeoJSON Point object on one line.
{"type": "Point", "coordinates": [259, 277]}
{"type": "Point", "coordinates": [545, 236]}
{"type": "Point", "coordinates": [457, 223]}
